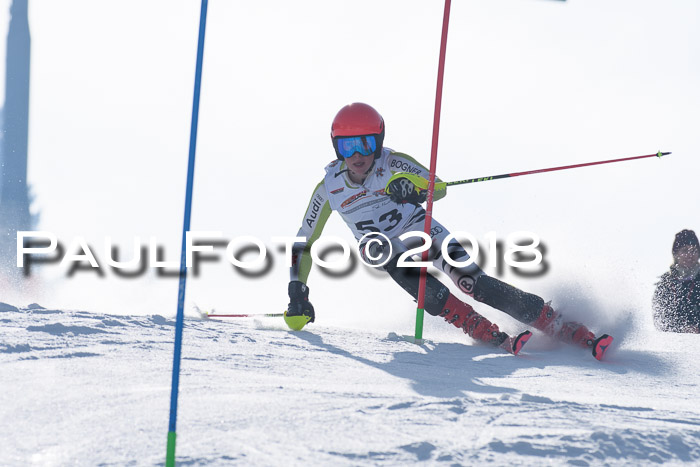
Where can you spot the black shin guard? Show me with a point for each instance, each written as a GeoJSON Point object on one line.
{"type": "Point", "coordinates": [523, 306]}
{"type": "Point", "coordinates": [436, 294]}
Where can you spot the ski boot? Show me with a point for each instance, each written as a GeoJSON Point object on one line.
{"type": "Point", "coordinates": [479, 328]}
{"type": "Point", "coordinates": [552, 323]}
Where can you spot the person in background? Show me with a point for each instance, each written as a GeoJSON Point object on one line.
{"type": "Point", "coordinates": [676, 301]}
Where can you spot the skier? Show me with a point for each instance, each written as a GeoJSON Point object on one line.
{"type": "Point", "coordinates": [369, 185]}
{"type": "Point", "coordinates": [676, 300]}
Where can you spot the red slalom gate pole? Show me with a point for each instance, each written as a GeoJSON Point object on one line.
{"type": "Point", "coordinates": [433, 164]}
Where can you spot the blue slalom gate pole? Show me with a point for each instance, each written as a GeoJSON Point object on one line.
{"type": "Point", "coordinates": [179, 323]}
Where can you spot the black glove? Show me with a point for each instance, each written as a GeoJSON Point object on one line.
{"type": "Point", "coordinates": [402, 190]}
{"type": "Point", "coordinates": [299, 304]}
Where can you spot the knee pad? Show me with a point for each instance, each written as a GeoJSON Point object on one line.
{"type": "Point", "coordinates": [436, 293]}
{"type": "Point", "coordinates": [523, 306]}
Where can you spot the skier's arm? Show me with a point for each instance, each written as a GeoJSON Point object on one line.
{"type": "Point", "coordinates": [300, 311]}
{"type": "Point", "coordinates": [317, 213]}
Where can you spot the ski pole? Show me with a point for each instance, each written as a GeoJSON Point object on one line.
{"type": "Point", "coordinates": [255, 315]}
{"type": "Point", "coordinates": [551, 169]}
{"type": "Point", "coordinates": [422, 183]}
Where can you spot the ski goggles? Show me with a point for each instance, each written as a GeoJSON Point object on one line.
{"type": "Point", "coordinates": [349, 145]}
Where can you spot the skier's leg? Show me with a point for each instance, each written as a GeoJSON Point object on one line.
{"type": "Point", "coordinates": [552, 323]}
{"type": "Point", "coordinates": [531, 309]}
{"type": "Point", "coordinates": [440, 302]}
{"type": "Point", "coordinates": [438, 299]}
{"type": "Point", "coordinates": [525, 307]}
{"type": "Point", "coordinates": [473, 281]}
{"type": "Point", "coordinates": [463, 277]}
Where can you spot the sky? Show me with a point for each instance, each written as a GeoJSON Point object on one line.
{"type": "Point", "coordinates": [528, 84]}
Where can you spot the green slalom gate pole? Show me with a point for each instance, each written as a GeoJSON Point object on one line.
{"type": "Point", "coordinates": [420, 311]}
{"type": "Point", "coordinates": [179, 322]}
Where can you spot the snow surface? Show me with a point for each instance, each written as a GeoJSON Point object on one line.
{"type": "Point", "coordinates": [81, 388]}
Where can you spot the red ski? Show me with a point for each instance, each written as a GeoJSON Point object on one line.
{"type": "Point", "coordinates": [515, 344]}
{"type": "Point", "coordinates": [601, 345]}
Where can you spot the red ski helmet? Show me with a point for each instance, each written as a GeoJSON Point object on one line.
{"type": "Point", "coordinates": [358, 119]}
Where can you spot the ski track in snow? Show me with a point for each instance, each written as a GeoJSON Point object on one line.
{"type": "Point", "coordinates": [82, 388]}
